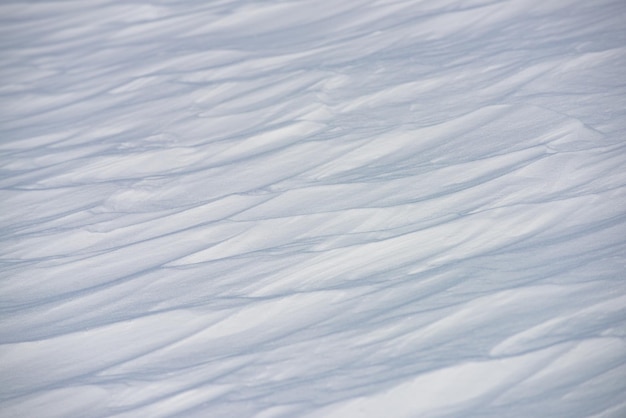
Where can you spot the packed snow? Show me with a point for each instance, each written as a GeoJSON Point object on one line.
{"type": "Point", "coordinates": [313, 208]}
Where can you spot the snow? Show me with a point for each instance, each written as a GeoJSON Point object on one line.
{"type": "Point", "coordinates": [347, 208]}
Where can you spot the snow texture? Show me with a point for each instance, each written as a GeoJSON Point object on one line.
{"type": "Point", "coordinates": [346, 208]}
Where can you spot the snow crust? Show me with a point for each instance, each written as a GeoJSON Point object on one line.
{"type": "Point", "coordinates": [347, 208]}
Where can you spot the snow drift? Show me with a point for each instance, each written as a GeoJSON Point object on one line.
{"type": "Point", "coordinates": [350, 208]}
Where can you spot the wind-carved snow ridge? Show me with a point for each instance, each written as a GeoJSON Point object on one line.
{"type": "Point", "coordinates": [354, 208]}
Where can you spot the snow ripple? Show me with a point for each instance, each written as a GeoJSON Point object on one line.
{"type": "Point", "coordinates": [350, 208]}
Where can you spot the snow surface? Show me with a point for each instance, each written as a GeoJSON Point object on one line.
{"type": "Point", "coordinates": [324, 208]}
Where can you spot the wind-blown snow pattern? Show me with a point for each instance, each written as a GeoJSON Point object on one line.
{"type": "Point", "coordinates": [346, 208]}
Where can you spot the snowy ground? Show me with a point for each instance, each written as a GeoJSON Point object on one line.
{"type": "Point", "coordinates": [325, 208]}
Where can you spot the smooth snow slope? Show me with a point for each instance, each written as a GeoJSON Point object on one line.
{"type": "Point", "coordinates": [346, 208]}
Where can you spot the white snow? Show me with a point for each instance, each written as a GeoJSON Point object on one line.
{"type": "Point", "coordinates": [346, 208]}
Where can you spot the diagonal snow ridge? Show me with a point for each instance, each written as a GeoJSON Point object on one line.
{"type": "Point", "coordinates": [355, 208]}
